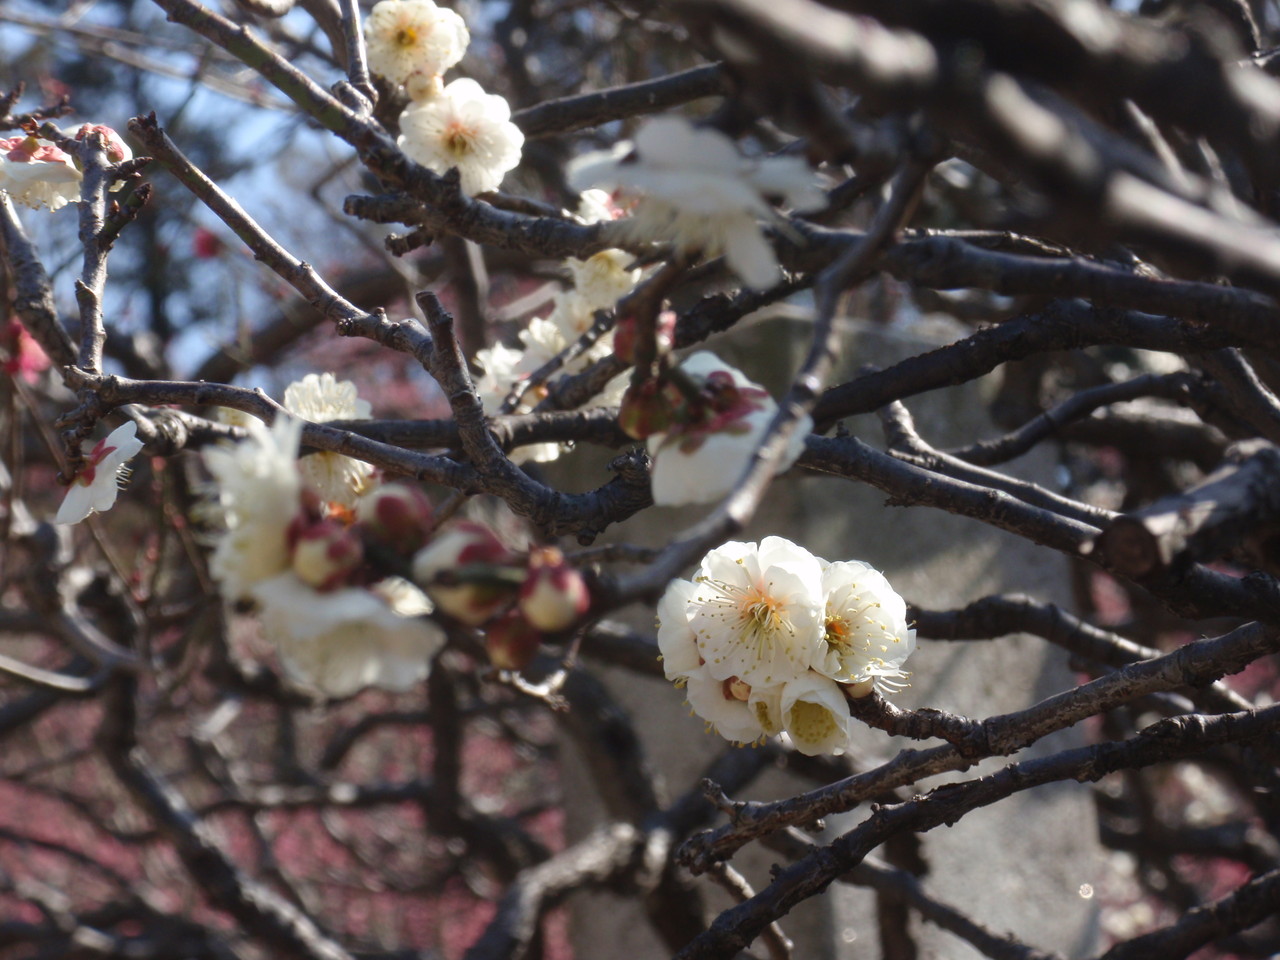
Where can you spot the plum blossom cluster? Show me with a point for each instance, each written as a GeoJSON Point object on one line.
{"type": "Point", "coordinates": [769, 639]}
{"type": "Point", "coordinates": [338, 622]}
{"type": "Point", "coordinates": [412, 43]}
{"type": "Point", "coordinates": [690, 187]}
{"type": "Point", "coordinates": [702, 422]}
{"type": "Point", "coordinates": [320, 551]}
{"type": "Point", "coordinates": [598, 283]}
{"type": "Point", "coordinates": [36, 172]}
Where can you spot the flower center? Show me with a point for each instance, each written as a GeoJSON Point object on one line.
{"type": "Point", "coordinates": [837, 631]}
{"type": "Point", "coordinates": [457, 141]}
{"type": "Point", "coordinates": [406, 37]}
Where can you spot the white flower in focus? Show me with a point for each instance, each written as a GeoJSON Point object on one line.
{"type": "Point", "coordinates": [815, 714]}
{"type": "Point", "coordinates": [759, 611]}
{"type": "Point", "coordinates": [694, 189]}
{"type": "Point", "coordinates": [96, 486]}
{"type": "Point", "coordinates": [404, 38]}
{"type": "Point", "coordinates": [463, 127]}
{"type": "Point", "coordinates": [701, 460]}
{"type": "Point", "coordinates": [723, 704]}
{"type": "Point", "coordinates": [258, 487]}
{"type": "Point", "coordinates": [36, 173]}
{"type": "Point", "coordinates": [340, 642]}
{"type": "Point", "coordinates": [320, 398]}
{"type": "Point", "coordinates": [676, 641]}
{"type": "Point", "coordinates": [865, 636]}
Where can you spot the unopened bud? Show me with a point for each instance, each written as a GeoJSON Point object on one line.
{"type": "Point", "coordinates": [325, 554]}
{"type": "Point", "coordinates": [117, 150]}
{"type": "Point", "coordinates": [396, 516]}
{"type": "Point", "coordinates": [626, 334]}
{"type": "Point", "coordinates": [467, 571]}
{"type": "Point", "coordinates": [511, 642]}
{"type": "Point", "coordinates": [553, 595]}
{"type": "Point", "coordinates": [644, 410]}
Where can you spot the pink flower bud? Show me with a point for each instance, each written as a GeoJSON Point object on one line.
{"type": "Point", "coordinates": [396, 516]}
{"type": "Point", "coordinates": [553, 595]}
{"type": "Point", "coordinates": [512, 643]}
{"type": "Point", "coordinates": [467, 571]}
{"type": "Point", "coordinates": [325, 554]}
{"type": "Point", "coordinates": [117, 149]}
{"type": "Point", "coordinates": [626, 334]}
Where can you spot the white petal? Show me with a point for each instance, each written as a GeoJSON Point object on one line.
{"type": "Point", "coordinates": [676, 642]}
{"type": "Point", "coordinates": [751, 257]}
{"type": "Point", "coordinates": [76, 505]}
{"type": "Point", "coordinates": [815, 714]}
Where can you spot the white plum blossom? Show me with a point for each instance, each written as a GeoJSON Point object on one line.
{"type": "Point", "coordinates": [723, 704]}
{"type": "Point", "coordinates": [96, 486]}
{"type": "Point", "coordinates": [336, 643]}
{"type": "Point", "coordinates": [866, 637]}
{"type": "Point", "coordinates": [603, 278]}
{"type": "Point", "coordinates": [37, 173]}
{"type": "Point", "coordinates": [544, 339]}
{"type": "Point", "coordinates": [463, 127]}
{"type": "Point", "coordinates": [758, 611]}
{"type": "Point", "coordinates": [763, 643]}
{"type": "Point", "coordinates": [257, 486]}
{"type": "Point", "coordinates": [320, 398]}
{"type": "Point", "coordinates": [676, 641]}
{"type": "Point", "coordinates": [693, 189]}
{"type": "Point", "coordinates": [701, 459]}
{"type": "Point", "coordinates": [407, 39]}
{"type": "Point", "coordinates": [815, 714]}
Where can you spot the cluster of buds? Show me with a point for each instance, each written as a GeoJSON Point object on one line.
{"type": "Point", "coordinates": [329, 549]}
{"type": "Point", "coordinates": [686, 410]}
{"type": "Point", "coordinates": [472, 576]}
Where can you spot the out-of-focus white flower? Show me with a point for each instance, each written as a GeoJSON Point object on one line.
{"type": "Point", "coordinates": [865, 636]}
{"type": "Point", "coordinates": [598, 206]}
{"type": "Point", "coordinates": [95, 487]}
{"type": "Point", "coordinates": [815, 714]}
{"type": "Point", "coordinates": [413, 38]}
{"type": "Point", "coordinates": [339, 642]}
{"type": "Point", "coordinates": [463, 127]}
{"type": "Point", "coordinates": [36, 173]}
{"type": "Point", "coordinates": [694, 189]}
{"type": "Point", "coordinates": [603, 278]}
{"type": "Point", "coordinates": [543, 339]}
{"type": "Point", "coordinates": [701, 458]}
{"type": "Point", "coordinates": [258, 487]}
{"type": "Point", "coordinates": [758, 611]}
{"type": "Point", "coordinates": [320, 398]}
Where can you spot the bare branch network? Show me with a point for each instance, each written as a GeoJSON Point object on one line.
{"type": "Point", "coordinates": [413, 324]}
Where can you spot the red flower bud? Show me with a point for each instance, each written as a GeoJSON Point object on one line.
{"type": "Point", "coordinates": [512, 643]}
{"type": "Point", "coordinates": [396, 516]}
{"type": "Point", "coordinates": [324, 554]}
{"type": "Point", "coordinates": [467, 571]}
{"type": "Point", "coordinates": [553, 595]}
